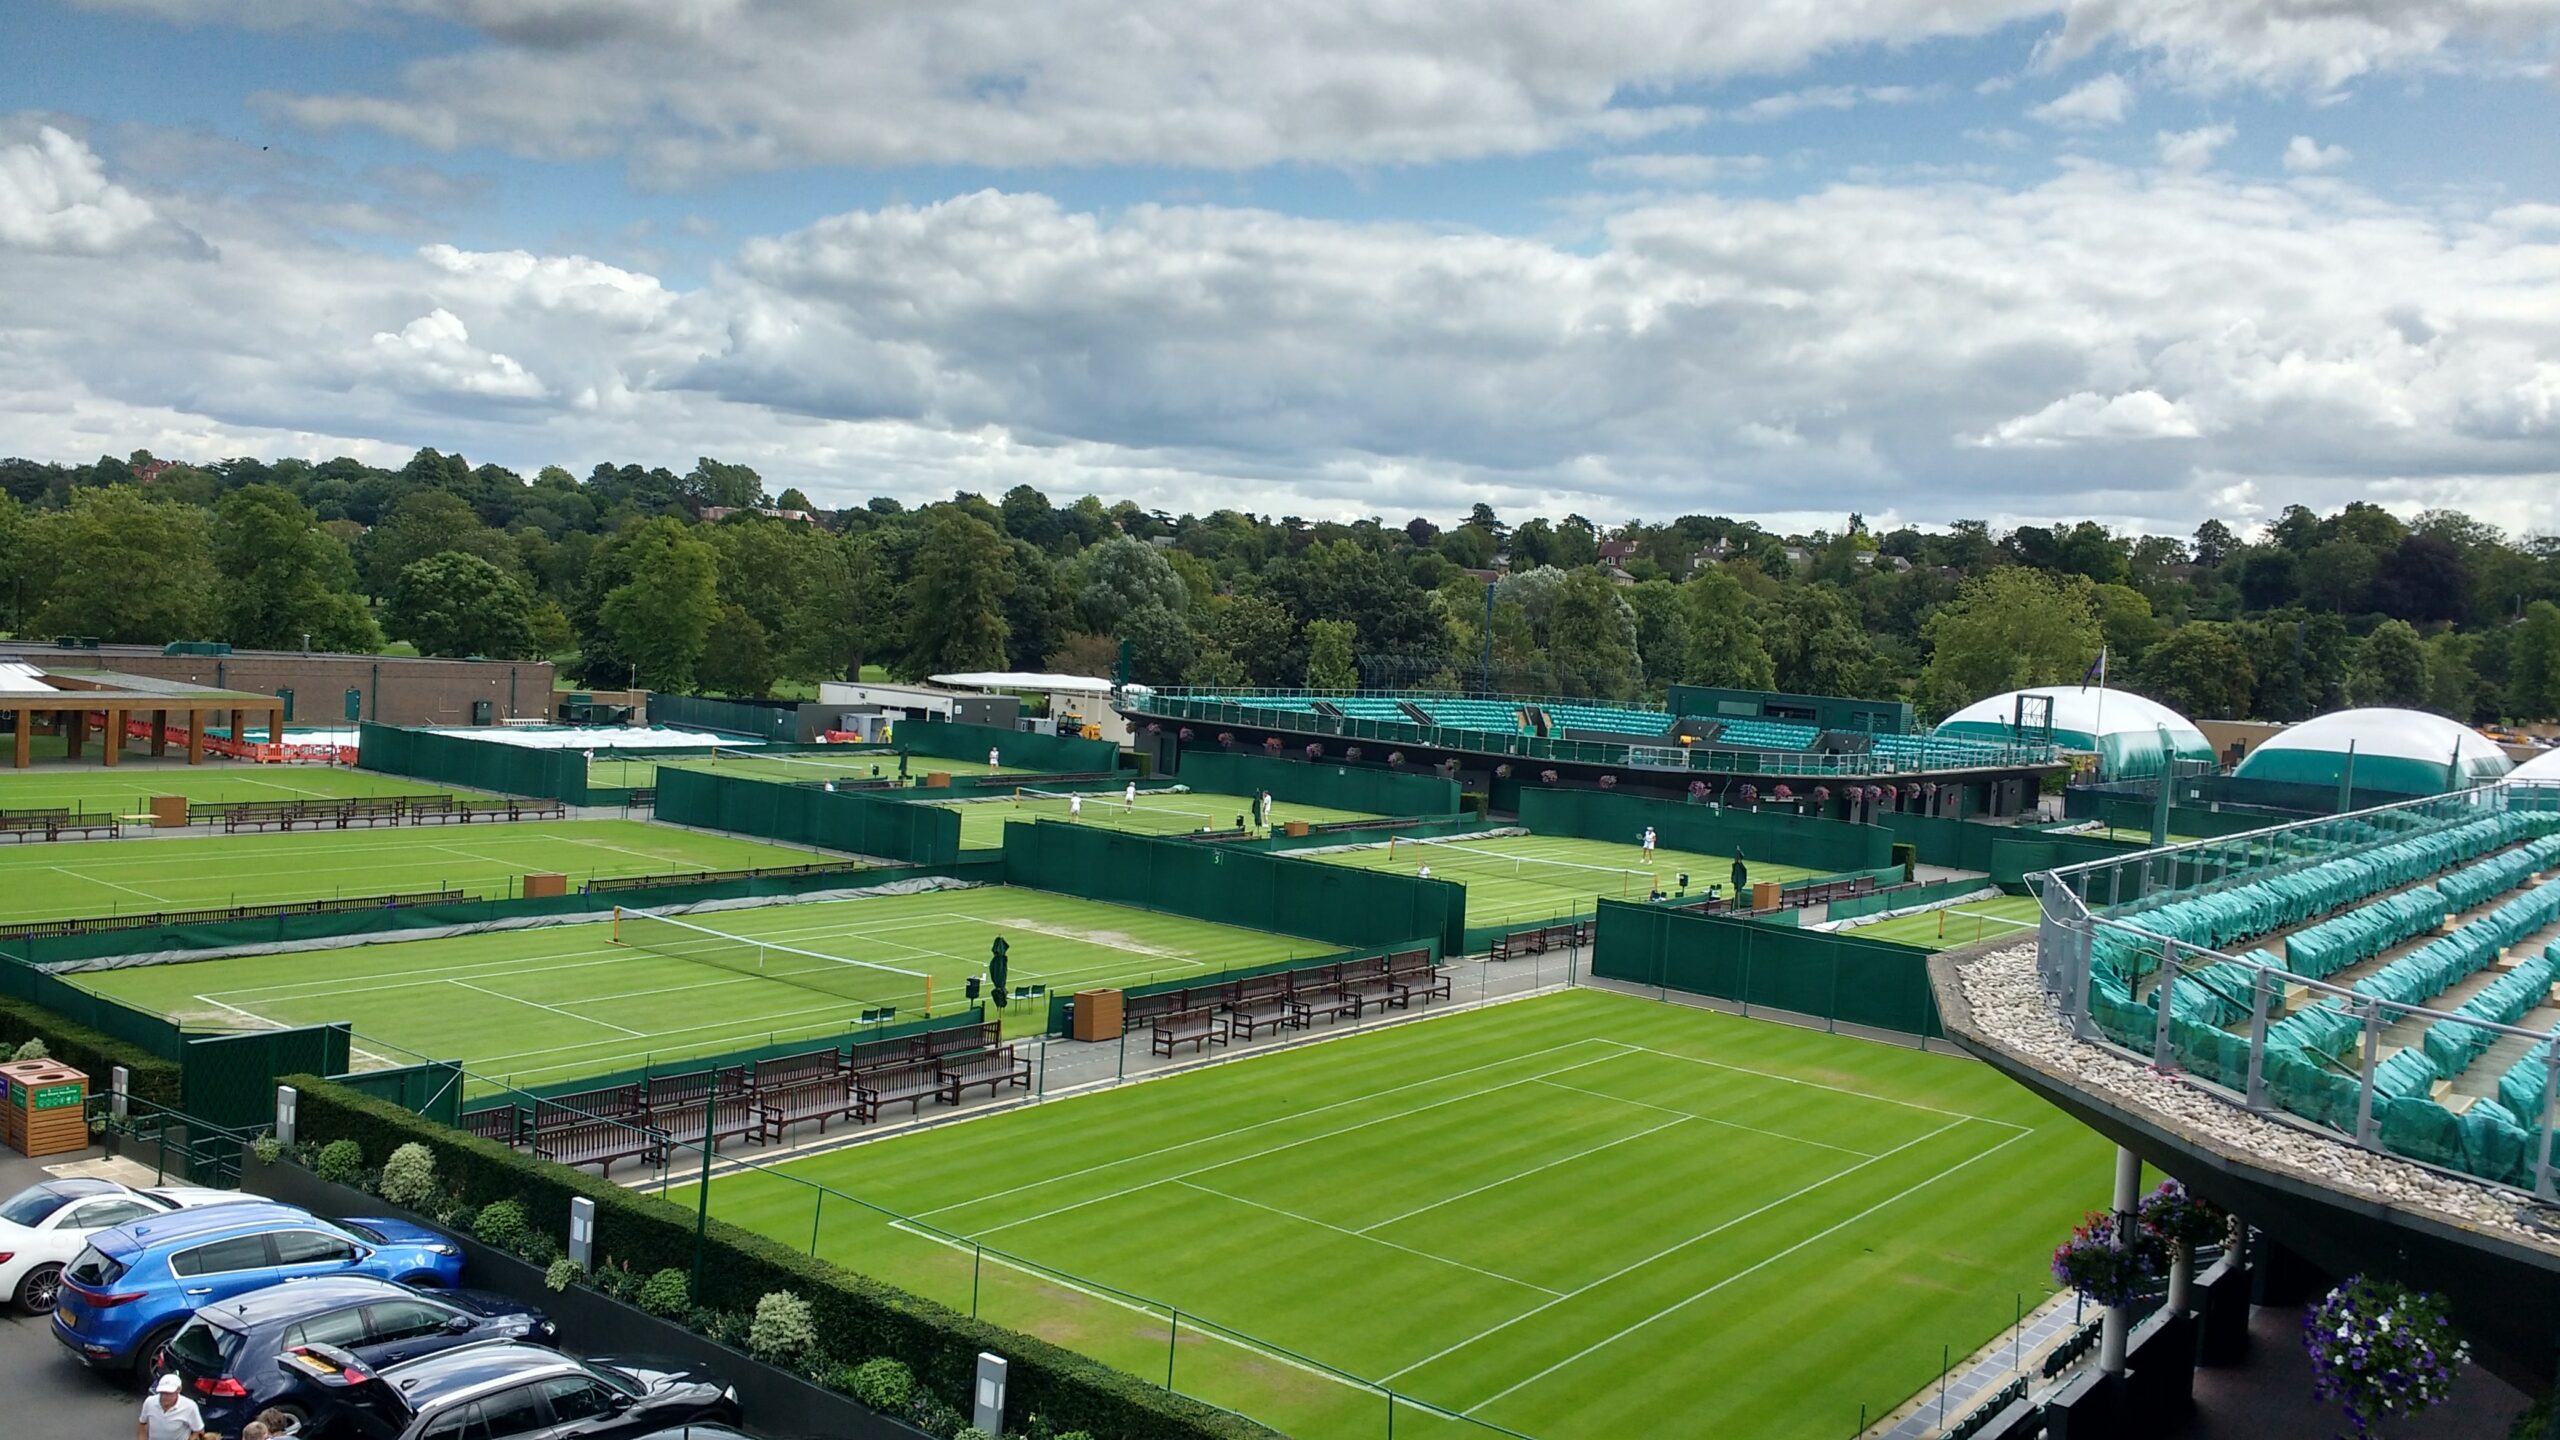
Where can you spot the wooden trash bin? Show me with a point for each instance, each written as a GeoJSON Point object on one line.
{"type": "Point", "coordinates": [1764, 895]}
{"type": "Point", "coordinates": [47, 1108]}
{"type": "Point", "coordinates": [544, 886]}
{"type": "Point", "coordinates": [1098, 1015]}
{"type": "Point", "coordinates": [1294, 829]}
{"type": "Point", "coordinates": [937, 780]}
{"type": "Point", "coordinates": [13, 1113]}
{"type": "Point", "coordinates": [168, 811]}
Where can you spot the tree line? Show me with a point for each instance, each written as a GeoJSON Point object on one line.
{"type": "Point", "coordinates": [624, 576]}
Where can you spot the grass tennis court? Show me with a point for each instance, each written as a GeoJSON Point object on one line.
{"type": "Point", "coordinates": [1584, 1216]}
{"type": "Point", "coordinates": [1523, 879]}
{"type": "Point", "coordinates": [1959, 924]}
{"type": "Point", "coordinates": [1157, 812]}
{"type": "Point", "coordinates": [640, 771]}
{"type": "Point", "coordinates": [59, 881]}
{"type": "Point", "coordinates": [565, 1001]}
{"type": "Point", "coordinates": [128, 788]}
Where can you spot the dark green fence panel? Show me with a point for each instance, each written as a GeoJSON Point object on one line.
{"type": "Point", "coordinates": [231, 1079]}
{"type": "Point", "coordinates": [1278, 893]}
{"type": "Point", "coordinates": [779, 723]}
{"type": "Point", "coordinates": [855, 821]}
{"type": "Point", "coordinates": [1871, 983]}
{"type": "Point", "coordinates": [472, 763]}
{"type": "Point", "coordinates": [1020, 749]}
{"type": "Point", "coordinates": [1334, 786]}
{"type": "Point", "coordinates": [432, 1088]}
{"type": "Point", "coordinates": [1780, 836]}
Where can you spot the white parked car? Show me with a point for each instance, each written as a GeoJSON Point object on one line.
{"type": "Point", "coordinates": [46, 1225]}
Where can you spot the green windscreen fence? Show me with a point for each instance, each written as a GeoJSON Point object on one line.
{"type": "Point", "coordinates": [1336, 903]}
{"type": "Point", "coordinates": [1314, 782]}
{"type": "Point", "coordinates": [432, 1088]}
{"type": "Point", "coordinates": [21, 981]}
{"type": "Point", "coordinates": [2008, 853]}
{"type": "Point", "coordinates": [778, 723]}
{"type": "Point", "coordinates": [1785, 838]}
{"type": "Point", "coordinates": [231, 1079]}
{"type": "Point", "coordinates": [1018, 749]}
{"type": "Point", "coordinates": [849, 820]}
{"type": "Point", "coordinates": [1871, 983]}
{"type": "Point", "coordinates": [473, 764]}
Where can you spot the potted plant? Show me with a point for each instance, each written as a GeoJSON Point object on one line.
{"type": "Point", "coordinates": [1549, 776]}
{"type": "Point", "coordinates": [1502, 772]}
{"type": "Point", "coordinates": [2092, 1263]}
{"type": "Point", "coordinates": [2381, 1350]}
{"type": "Point", "coordinates": [1608, 782]}
{"type": "Point", "coordinates": [1226, 738]}
{"type": "Point", "coordinates": [1395, 758]}
{"type": "Point", "coordinates": [1352, 752]}
{"type": "Point", "coordinates": [2185, 1224]}
{"type": "Point", "coordinates": [1697, 790]}
{"type": "Point", "coordinates": [1314, 751]}
{"type": "Point", "coordinates": [1271, 743]}
{"type": "Point", "coordinates": [1821, 794]}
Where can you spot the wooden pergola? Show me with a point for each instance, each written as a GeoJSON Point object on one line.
{"type": "Point", "coordinates": [69, 698]}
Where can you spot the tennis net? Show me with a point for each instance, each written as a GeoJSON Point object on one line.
{"type": "Point", "coordinates": [1110, 807]}
{"type": "Point", "coordinates": [1574, 875]}
{"type": "Point", "coordinates": [866, 982]}
{"type": "Point", "coordinates": [1963, 927]}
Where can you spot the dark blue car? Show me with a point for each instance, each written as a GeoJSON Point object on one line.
{"type": "Point", "coordinates": [227, 1354]}
{"type": "Point", "coordinates": [125, 1296]}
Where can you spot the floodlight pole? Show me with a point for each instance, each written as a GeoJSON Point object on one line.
{"type": "Point", "coordinates": [702, 1196]}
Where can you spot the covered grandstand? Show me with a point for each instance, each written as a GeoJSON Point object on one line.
{"type": "Point", "coordinates": [2133, 736]}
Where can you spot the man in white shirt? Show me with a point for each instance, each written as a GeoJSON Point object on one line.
{"type": "Point", "coordinates": [992, 762]}
{"type": "Point", "coordinates": [1129, 796]}
{"type": "Point", "coordinates": [1075, 806]}
{"type": "Point", "coordinates": [1266, 809]}
{"type": "Point", "coordinates": [167, 1414]}
{"type": "Point", "coordinates": [1648, 842]}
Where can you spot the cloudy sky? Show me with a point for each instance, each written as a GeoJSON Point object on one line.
{"type": "Point", "coordinates": [2144, 260]}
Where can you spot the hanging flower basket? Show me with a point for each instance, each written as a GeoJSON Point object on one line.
{"type": "Point", "coordinates": [1750, 793]}
{"type": "Point", "coordinates": [1272, 744]}
{"type": "Point", "coordinates": [1821, 794]}
{"type": "Point", "coordinates": [2382, 1350]}
{"type": "Point", "coordinates": [1226, 737]}
{"type": "Point", "coordinates": [1697, 789]}
{"type": "Point", "coordinates": [1314, 751]}
{"type": "Point", "coordinates": [1929, 788]}
{"type": "Point", "coordinates": [1549, 776]}
{"type": "Point", "coordinates": [2090, 1263]}
{"type": "Point", "coordinates": [1608, 782]}
{"type": "Point", "coordinates": [1395, 757]}
{"type": "Point", "coordinates": [1352, 752]}
{"type": "Point", "coordinates": [1892, 793]}
{"type": "Point", "coordinates": [1183, 734]}
{"type": "Point", "coordinates": [1781, 793]}
{"type": "Point", "coordinates": [1502, 772]}
{"type": "Point", "coordinates": [1154, 729]}
{"type": "Point", "coordinates": [2182, 1221]}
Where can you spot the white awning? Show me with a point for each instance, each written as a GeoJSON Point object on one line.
{"type": "Point", "coordinates": [1030, 680]}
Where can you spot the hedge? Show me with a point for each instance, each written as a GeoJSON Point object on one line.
{"type": "Point", "coordinates": [148, 1077]}
{"type": "Point", "coordinates": [861, 1317]}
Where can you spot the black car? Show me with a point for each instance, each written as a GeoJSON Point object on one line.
{"type": "Point", "coordinates": [226, 1355]}
{"type": "Point", "coordinates": [702, 1430]}
{"type": "Point", "coordinates": [507, 1390]}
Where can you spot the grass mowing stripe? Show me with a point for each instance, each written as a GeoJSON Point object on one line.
{"type": "Point", "coordinates": [1362, 1235]}
{"type": "Point", "coordinates": [1818, 1085]}
{"type": "Point", "coordinates": [1565, 1159]}
{"type": "Point", "coordinates": [1708, 1119]}
{"type": "Point", "coordinates": [538, 1005]}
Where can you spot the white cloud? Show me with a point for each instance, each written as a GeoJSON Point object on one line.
{"type": "Point", "coordinates": [2316, 45]}
{"type": "Point", "coordinates": [1830, 97]}
{"type": "Point", "coordinates": [2101, 101]}
{"type": "Point", "coordinates": [2088, 416]}
{"type": "Point", "coordinates": [2304, 155]}
{"type": "Point", "coordinates": [55, 196]}
{"type": "Point", "coordinates": [1676, 170]}
{"type": "Point", "coordinates": [434, 353]}
{"type": "Point", "coordinates": [2194, 149]}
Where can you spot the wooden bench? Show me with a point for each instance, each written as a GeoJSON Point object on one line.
{"type": "Point", "coordinates": [502, 1123]}
{"type": "Point", "coordinates": [815, 1097]}
{"type": "Point", "coordinates": [612, 1102]}
{"type": "Point", "coordinates": [996, 1069]}
{"type": "Point", "coordinates": [730, 1117]}
{"type": "Point", "coordinates": [86, 828]}
{"type": "Point", "coordinates": [782, 1072]}
{"type": "Point", "coordinates": [1267, 1012]}
{"type": "Point", "coordinates": [660, 1091]}
{"type": "Point", "coordinates": [37, 824]}
{"type": "Point", "coordinates": [600, 1143]}
{"type": "Point", "coordinates": [959, 1039]}
{"type": "Point", "coordinates": [1328, 1004]}
{"type": "Point", "coordinates": [259, 814]}
{"type": "Point", "coordinates": [1200, 1029]}
{"type": "Point", "coordinates": [914, 1081]}
{"type": "Point", "coordinates": [373, 810]}
{"type": "Point", "coordinates": [1536, 941]}
{"type": "Point", "coordinates": [1408, 981]}
{"type": "Point", "coordinates": [865, 1056]}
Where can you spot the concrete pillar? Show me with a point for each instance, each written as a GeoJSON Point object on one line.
{"type": "Point", "coordinates": [275, 725]}
{"type": "Point", "coordinates": [2128, 1203]}
{"type": "Point", "coordinates": [113, 741]}
{"type": "Point", "coordinates": [159, 733]}
{"type": "Point", "coordinates": [195, 737]}
{"type": "Point", "coordinates": [74, 725]}
{"type": "Point", "coordinates": [235, 726]}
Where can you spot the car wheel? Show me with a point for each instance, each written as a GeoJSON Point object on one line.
{"type": "Point", "coordinates": [146, 1356]}
{"type": "Point", "coordinates": [423, 1280]}
{"type": "Point", "coordinates": [41, 1288]}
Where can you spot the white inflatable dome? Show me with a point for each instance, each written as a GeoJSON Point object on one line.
{"type": "Point", "coordinates": [2406, 752]}
{"type": "Point", "coordinates": [2542, 769]}
{"type": "Point", "coordinates": [2122, 729]}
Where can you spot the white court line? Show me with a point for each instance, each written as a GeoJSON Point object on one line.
{"type": "Point", "coordinates": [1583, 1154]}
{"type": "Point", "coordinates": [1707, 1119]}
{"type": "Point", "coordinates": [1257, 1125]}
{"type": "Point", "coordinates": [1669, 1250]}
{"type": "Point", "coordinates": [353, 1049]}
{"type": "Point", "coordinates": [1372, 1239]}
{"type": "Point", "coordinates": [538, 1005]}
{"type": "Point", "coordinates": [1288, 1145]}
{"type": "Point", "coordinates": [1762, 1264]}
{"type": "Point", "coordinates": [1818, 1085]}
{"type": "Point", "coordinates": [101, 880]}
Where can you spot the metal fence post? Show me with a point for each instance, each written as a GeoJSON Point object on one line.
{"type": "Point", "coordinates": [2364, 1088]}
{"type": "Point", "coordinates": [2163, 1056]}
{"type": "Point", "coordinates": [2261, 1003]}
{"type": "Point", "coordinates": [2544, 1183]}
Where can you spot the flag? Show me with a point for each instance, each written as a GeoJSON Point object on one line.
{"type": "Point", "coordinates": [2097, 670]}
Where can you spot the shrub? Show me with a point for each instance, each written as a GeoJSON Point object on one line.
{"type": "Point", "coordinates": [409, 1177]}
{"type": "Point", "coordinates": [32, 1050]}
{"type": "Point", "coordinates": [148, 1077]}
{"type": "Point", "coordinates": [267, 1148]}
{"type": "Point", "coordinates": [883, 1385]}
{"type": "Point", "coordinates": [538, 1248]}
{"type": "Point", "coordinates": [665, 1294]}
{"type": "Point", "coordinates": [784, 1328]}
{"type": "Point", "coordinates": [936, 1416]}
{"type": "Point", "coordinates": [562, 1274]}
{"type": "Point", "coordinates": [341, 1162]}
{"type": "Point", "coordinates": [502, 1224]}
{"type": "Point", "coordinates": [972, 1432]}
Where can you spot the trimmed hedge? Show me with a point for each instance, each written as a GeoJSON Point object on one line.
{"type": "Point", "coordinates": [148, 1076]}
{"type": "Point", "coordinates": [860, 1316]}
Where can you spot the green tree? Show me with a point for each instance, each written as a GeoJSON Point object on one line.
{"type": "Point", "coordinates": [1259, 635]}
{"type": "Point", "coordinates": [741, 659]}
{"type": "Point", "coordinates": [2533, 663]}
{"type": "Point", "coordinates": [1817, 645]}
{"type": "Point", "coordinates": [714, 482]}
{"type": "Point", "coordinates": [2453, 679]}
{"type": "Point", "coordinates": [423, 523]}
{"type": "Point", "coordinates": [659, 620]}
{"type": "Point", "coordinates": [954, 600]}
{"type": "Point", "coordinates": [2200, 670]}
{"type": "Point", "coordinates": [2391, 667]}
{"type": "Point", "coordinates": [284, 581]}
{"type": "Point", "coordinates": [1662, 632]}
{"type": "Point", "coordinates": [2125, 623]}
{"type": "Point", "coordinates": [122, 568]}
{"type": "Point", "coordinates": [1122, 575]}
{"type": "Point", "coordinates": [2013, 627]}
{"type": "Point", "coordinates": [1725, 644]}
{"type": "Point", "coordinates": [1591, 639]}
{"type": "Point", "coordinates": [1330, 667]}
{"type": "Point", "coordinates": [456, 604]}
{"type": "Point", "coordinates": [2336, 575]}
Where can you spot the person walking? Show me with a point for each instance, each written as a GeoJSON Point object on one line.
{"type": "Point", "coordinates": [1266, 809]}
{"type": "Point", "coordinates": [1075, 806]}
{"type": "Point", "coordinates": [992, 762]}
{"type": "Point", "coordinates": [168, 1414]}
{"type": "Point", "coordinates": [1741, 881]}
{"type": "Point", "coordinates": [1129, 797]}
{"type": "Point", "coordinates": [1648, 844]}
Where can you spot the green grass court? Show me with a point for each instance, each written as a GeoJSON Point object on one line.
{"type": "Point", "coordinates": [551, 1004]}
{"type": "Point", "coordinates": [1160, 812]}
{"type": "Point", "coordinates": [1959, 924]}
{"type": "Point", "coordinates": [84, 878]}
{"type": "Point", "coordinates": [640, 771]}
{"type": "Point", "coordinates": [1526, 879]}
{"type": "Point", "coordinates": [1584, 1217]}
{"type": "Point", "coordinates": [128, 788]}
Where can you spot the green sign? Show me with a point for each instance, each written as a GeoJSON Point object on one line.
{"type": "Point", "coordinates": [54, 1097]}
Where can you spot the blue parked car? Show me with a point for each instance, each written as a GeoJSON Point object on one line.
{"type": "Point", "coordinates": [127, 1294]}
{"type": "Point", "coordinates": [226, 1355]}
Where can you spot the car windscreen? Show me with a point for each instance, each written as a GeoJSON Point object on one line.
{"type": "Point", "coordinates": [618, 1380]}
{"type": "Point", "coordinates": [207, 1348]}
{"type": "Point", "coordinates": [362, 1231]}
{"type": "Point", "coordinates": [94, 1269]}
{"type": "Point", "coordinates": [31, 1205]}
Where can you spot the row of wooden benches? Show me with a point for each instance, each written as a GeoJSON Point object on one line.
{"type": "Point", "coordinates": [23, 825]}
{"type": "Point", "coordinates": [1215, 1014]}
{"type": "Point", "coordinates": [759, 1101]}
{"type": "Point", "coordinates": [1539, 939]}
{"type": "Point", "coordinates": [381, 810]}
